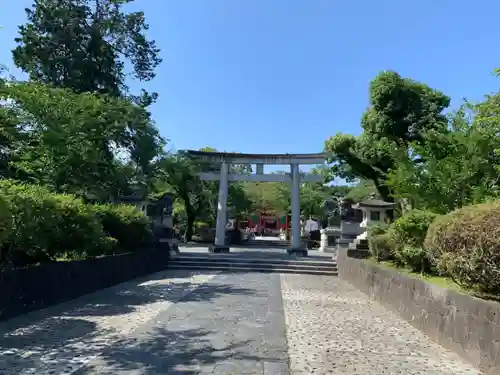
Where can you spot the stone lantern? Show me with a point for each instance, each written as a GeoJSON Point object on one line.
{"type": "Point", "coordinates": [375, 211]}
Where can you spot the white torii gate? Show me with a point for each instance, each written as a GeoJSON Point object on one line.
{"type": "Point", "coordinates": [295, 178]}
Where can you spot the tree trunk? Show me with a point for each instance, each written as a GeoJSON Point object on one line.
{"type": "Point", "coordinates": [383, 190]}
{"type": "Point", "coordinates": [190, 224]}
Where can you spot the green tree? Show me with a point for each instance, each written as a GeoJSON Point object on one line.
{"type": "Point", "coordinates": [458, 167]}
{"type": "Point", "coordinates": [71, 141]}
{"type": "Point", "coordinates": [11, 134]}
{"type": "Point", "coordinates": [360, 191]}
{"type": "Point", "coordinates": [313, 197]}
{"type": "Point", "coordinates": [270, 197]}
{"type": "Point", "coordinates": [401, 111]}
{"type": "Point", "coordinates": [85, 45]}
{"type": "Point", "coordinates": [179, 173]}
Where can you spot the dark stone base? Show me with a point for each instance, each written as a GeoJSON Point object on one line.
{"type": "Point", "coordinates": [297, 252]}
{"type": "Point", "coordinates": [218, 249]}
{"type": "Point", "coordinates": [174, 251]}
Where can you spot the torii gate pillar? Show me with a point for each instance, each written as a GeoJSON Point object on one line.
{"type": "Point", "coordinates": [296, 245]}
{"type": "Point", "coordinates": [220, 228]}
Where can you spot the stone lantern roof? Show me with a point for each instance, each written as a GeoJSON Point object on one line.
{"type": "Point", "coordinates": [373, 202]}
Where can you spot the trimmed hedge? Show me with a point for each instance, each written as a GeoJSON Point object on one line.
{"type": "Point", "coordinates": [125, 223]}
{"type": "Point", "coordinates": [465, 245]}
{"type": "Point", "coordinates": [379, 242]}
{"type": "Point", "coordinates": [376, 229]}
{"type": "Point", "coordinates": [408, 235]}
{"type": "Point", "coordinates": [411, 228]}
{"type": "Point", "coordinates": [48, 226]}
{"type": "Point", "coordinates": [381, 246]}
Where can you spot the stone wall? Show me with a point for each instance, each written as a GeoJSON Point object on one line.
{"type": "Point", "coordinates": [33, 288]}
{"type": "Point", "coordinates": [466, 325]}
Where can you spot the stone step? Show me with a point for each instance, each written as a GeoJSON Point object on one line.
{"type": "Point", "coordinates": [221, 263]}
{"type": "Point", "coordinates": [221, 258]}
{"type": "Point", "coordinates": [241, 267]}
{"type": "Point", "coordinates": [318, 266]}
{"type": "Point", "coordinates": [257, 270]}
{"type": "Point", "coordinates": [268, 244]}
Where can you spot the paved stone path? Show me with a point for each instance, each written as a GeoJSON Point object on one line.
{"type": "Point", "coordinates": [332, 328]}
{"type": "Point", "coordinates": [180, 322]}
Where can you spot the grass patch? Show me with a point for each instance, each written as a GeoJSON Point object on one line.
{"type": "Point", "coordinates": [441, 281]}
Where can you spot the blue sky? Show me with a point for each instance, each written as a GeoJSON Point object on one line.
{"type": "Point", "coordinates": [284, 75]}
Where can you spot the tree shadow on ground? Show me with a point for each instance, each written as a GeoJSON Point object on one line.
{"type": "Point", "coordinates": [127, 297]}
{"type": "Point", "coordinates": [29, 347]}
{"type": "Point", "coordinates": [177, 352]}
{"type": "Point", "coordinates": [126, 301]}
{"type": "Point", "coordinates": [64, 329]}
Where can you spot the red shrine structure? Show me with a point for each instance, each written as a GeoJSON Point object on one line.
{"type": "Point", "coordinates": [269, 222]}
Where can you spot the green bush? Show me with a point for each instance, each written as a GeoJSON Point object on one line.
{"type": "Point", "coordinates": [415, 258]}
{"type": "Point", "coordinates": [465, 245]}
{"type": "Point", "coordinates": [376, 229]}
{"type": "Point", "coordinates": [379, 242]}
{"type": "Point", "coordinates": [381, 246]}
{"type": "Point", "coordinates": [47, 226]}
{"type": "Point", "coordinates": [125, 223]}
{"type": "Point", "coordinates": [408, 235]}
{"type": "Point", "coordinates": [78, 229]}
{"type": "Point", "coordinates": [411, 228]}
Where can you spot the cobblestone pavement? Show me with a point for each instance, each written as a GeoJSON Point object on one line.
{"type": "Point", "coordinates": [232, 325]}
{"type": "Point", "coordinates": [332, 328]}
{"type": "Point", "coordinates": [61, 339]}
{"type": "Point", "coordinates": [178, 322]}
{"type": "Point", "coordinates": [186, 323]}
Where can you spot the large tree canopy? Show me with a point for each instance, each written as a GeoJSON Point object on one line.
{"type": "Point", "coordinates": [458, 167]}
{"type": "Point", "coordinates": [71, 142]}
{"type": "Point", "coordinates": [85, 45]}
{"type": "Point", "coordinates": [400, 112]}
{"type": "Point", "coordinates": [76, 115]}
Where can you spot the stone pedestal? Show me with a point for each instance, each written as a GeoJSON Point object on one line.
{"type": "Point", "coordinates": [218, 249]}
{"type": "Point", "coordinates": [173, 245]}
{"type": "Point", "coordinates": [297, 252]}
{"type": "Point", "coordinates": [329, 237]}
{"type": "Point", "coordinates": [323, 242]}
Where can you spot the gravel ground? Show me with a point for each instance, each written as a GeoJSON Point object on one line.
{"type": "Point", "coordinates": [180, 322]}
{"type": "Point", "coordinates": [332, 328]}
